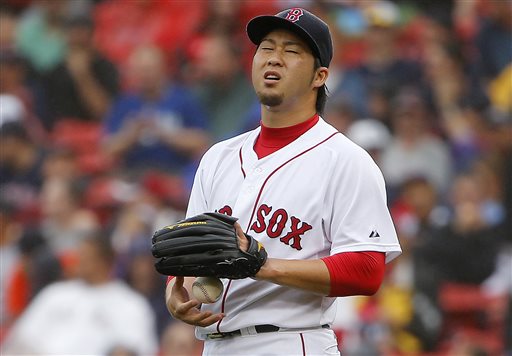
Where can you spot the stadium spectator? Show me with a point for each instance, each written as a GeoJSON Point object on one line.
{"type": "Point", "coordinates": [414, 150]}
{"type": "Point", "coordinates": [36, 267]}
{"type": "Point", "coordinates": [20, 169]}
{"type": "Point", "coordinates": [82, 84]}
{"type": "Point", "coordinates": [19, 99]}
{"type": "Point", "coordinates": [62, 163]}
{"type": "Point", "coordinates": [93, 313]}
{"type": "Point", "coordinates": [370, 134]}
{"type": "Point", "coordinates": [382, 73]}
{"type": "Point", "coordinates": [40, 35]}
{"type": "Point", "coordinates": [159, 125]}
{"type": "Point", "coordinates": [221, 84]}
{"type": "Point", "coordinates": [8, 28]}
{"type": "Point", "coordinates": [458, 98]}
{"type": "Point", "coordinates": [140, 275]}
{"type": "Point", "coordinates": [465, 251]}
{"type": "Point", "coordinates": [64, 221]}
{"type": "Point", "coordinates": [493, 39]}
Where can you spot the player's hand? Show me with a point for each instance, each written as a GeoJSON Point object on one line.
{"type": "Point", "coordinates": [182, 307]}
{"type": "Point", "coordinates": [243, 243]}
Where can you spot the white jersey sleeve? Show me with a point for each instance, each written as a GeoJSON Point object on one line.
{"type": "Point", "coordinates": [356, 214]}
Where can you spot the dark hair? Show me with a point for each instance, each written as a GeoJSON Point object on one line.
{"type": "Point", "coordinates": [321, 98]}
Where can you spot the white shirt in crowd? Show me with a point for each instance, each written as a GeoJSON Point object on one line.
{"type": "Point", "coordinates": [72, 317]}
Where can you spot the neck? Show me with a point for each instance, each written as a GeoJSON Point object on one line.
{"type": "Point", "coordinates": [279, 116]}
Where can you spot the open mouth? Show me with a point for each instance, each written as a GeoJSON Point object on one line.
{"type": "Point", "coordinates": [271, 77]}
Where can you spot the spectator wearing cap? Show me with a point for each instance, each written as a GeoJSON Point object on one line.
{"type": "Point", "coordinates": [84, 83]}
{"type": "Point", "coordinates": [370, 134]}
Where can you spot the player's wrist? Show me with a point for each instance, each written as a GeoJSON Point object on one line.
{"type": "Point", "coordinates": [267, 271]}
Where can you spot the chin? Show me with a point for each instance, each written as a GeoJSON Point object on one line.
{"type": "Point", "coordinates": [270, 99]}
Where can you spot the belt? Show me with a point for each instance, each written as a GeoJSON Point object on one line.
{"type": "Point", "coordinates": [257, 329]}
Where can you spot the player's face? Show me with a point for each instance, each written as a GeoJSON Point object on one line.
{"type": "Point", "coordinates": [283, 70]}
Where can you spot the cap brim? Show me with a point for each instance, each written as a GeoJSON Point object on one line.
{"type": "Point", "coordinates": [260, 26]}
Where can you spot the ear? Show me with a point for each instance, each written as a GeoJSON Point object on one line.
{"type": "Point", "coordinates": [321, 75]}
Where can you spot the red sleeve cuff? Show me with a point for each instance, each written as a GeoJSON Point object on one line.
{"type": "Point", "coordinates": [355, 273]}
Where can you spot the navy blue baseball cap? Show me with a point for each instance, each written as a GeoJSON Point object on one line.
{"type": "Point", "coordinates": [300, 21]}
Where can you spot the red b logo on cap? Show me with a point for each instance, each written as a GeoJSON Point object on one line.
{"type": "Point", "coordinates": [294, 14]}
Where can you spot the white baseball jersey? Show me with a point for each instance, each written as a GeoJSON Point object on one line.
{"type": "Point", "coordinates": [318, 196]}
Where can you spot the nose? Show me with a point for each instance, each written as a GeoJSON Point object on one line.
{"type": "Point", "coordinates": [275, 59]}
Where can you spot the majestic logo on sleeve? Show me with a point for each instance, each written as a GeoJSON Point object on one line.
{"type": "Point", "coordinates": [275, 223]}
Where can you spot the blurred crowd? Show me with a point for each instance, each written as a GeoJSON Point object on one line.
{"type": "Point", "coordinates": [108, 105]}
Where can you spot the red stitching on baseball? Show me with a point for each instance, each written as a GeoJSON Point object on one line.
{"type": "Point", "coordinates": [205, 293]}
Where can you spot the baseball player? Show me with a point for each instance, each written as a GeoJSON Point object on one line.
{"type": "Point", "coordinates": [313, 199]}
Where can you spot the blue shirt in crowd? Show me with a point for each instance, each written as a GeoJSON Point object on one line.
{"type": "Point", "coordinates": [176, 108]}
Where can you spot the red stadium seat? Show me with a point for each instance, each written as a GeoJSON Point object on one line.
{"type": "Point", "coordinates": [84, 138]}
{"type": "Point", "coordinates": [472, 316]}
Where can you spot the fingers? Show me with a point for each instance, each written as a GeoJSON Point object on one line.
{"type": "Point", "coordinates": [190, 314]}
{"type": "Point", "coordinates": [178, 282]}
{"type": "Point", "coordinates": [243, 243]}
{"type": "Point", "coordinates": [187, 310]}
{"type": "Point", "coordinates": [184, 308]}
{"type": "Point", "coordinates": [209, 320]}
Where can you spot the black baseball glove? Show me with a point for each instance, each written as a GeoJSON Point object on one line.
{"type": "Point", "coordinates": [206, 245]}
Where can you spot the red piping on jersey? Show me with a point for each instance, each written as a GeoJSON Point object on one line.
{"type": "Point", "coordinates": [241, 162]}
{"type": "Point", "coordinates": [303, 344]}
{"type": "Point", "coordinates": [223, 304]}
{"type": "Point", "coordinates": [278, 168]}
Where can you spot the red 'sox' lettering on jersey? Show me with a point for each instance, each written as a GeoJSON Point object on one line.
{"type": "Point", "coordinates": [226, 209]}
{"type": "Point", "coordinates": [295, 233]}
{"type": "Point", "coordinates": [259, 225]}
{"type": "Point", "coordinates": [274, 225]}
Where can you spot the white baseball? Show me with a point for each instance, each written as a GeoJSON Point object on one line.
{"type": "Point", "coordinates": [207, 289]}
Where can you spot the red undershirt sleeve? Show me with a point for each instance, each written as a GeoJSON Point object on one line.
{"type": "Point", "coordinates": [355, 273]}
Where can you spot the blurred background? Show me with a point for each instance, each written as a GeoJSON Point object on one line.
{"type": "Point", "coordinates": [108, 105]}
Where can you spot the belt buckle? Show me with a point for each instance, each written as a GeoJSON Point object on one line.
{"type": "Point", "coordinates": [215, 336]}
